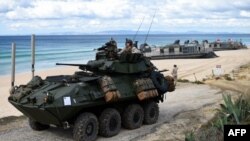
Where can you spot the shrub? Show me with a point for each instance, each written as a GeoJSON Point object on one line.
{"type": "Point", "coordinates": [183, 80]}
{"type": "Point", "coordinates": [231, 112]}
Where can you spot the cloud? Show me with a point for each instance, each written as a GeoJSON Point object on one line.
{"type": "Point", "coordinates": [51, 9]}
{"type": "Point", "coordinates": [6, 6]}
{"type": "Point", "coordinates": [245, 13]}
{"type": "Point", "coordinates": [99, 15]}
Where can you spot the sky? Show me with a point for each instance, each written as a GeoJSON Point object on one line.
{"type": "Point", "coordinates": [21, 17]}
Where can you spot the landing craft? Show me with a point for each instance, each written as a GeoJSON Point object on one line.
{"type": "Point", "coordinates": [110, 91]}
{"type": "Point", "coordinates": [189, 49]}
{"type": "Point", "coordinates": [219, 45]}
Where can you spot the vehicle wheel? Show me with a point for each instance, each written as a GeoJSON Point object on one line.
{"type": "Point", "coordinates": [132, 117]}
{"type": "Point", "coordinates": [37, 125]}
{"type": "Point", "coordinates": [86, 127]}
{"type": "Point", "coordinates": [109, 122]}
{"type": "Point", "coordinates": [151, 112]}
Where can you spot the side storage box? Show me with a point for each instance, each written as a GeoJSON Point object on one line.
{"type": "Point", "coordinates": [109, 88]}
{"type": "Point", "coordinates": [145, 88]}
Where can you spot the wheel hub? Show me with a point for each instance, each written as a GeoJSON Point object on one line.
{"type": "Point", "coordinates": [89, 128]}
{"type": "Point", "coordinates": [136, 117]}
{"type": "Point", "coordinates": [113, 124]}
{"type": "Point", "coordinates": [152, 113]}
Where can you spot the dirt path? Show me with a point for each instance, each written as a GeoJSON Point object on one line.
{"type": "Point", "coordinates": [189, 97]}
{"type": "Point", "coordinates": [192, 120]}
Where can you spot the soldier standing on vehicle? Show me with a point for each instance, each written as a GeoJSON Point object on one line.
{"type": "Point", "coordinates": [110, 49]}
{"type": "Point", "coordinates": [129, 48]}
{"type": "Point", "coordinates": [174, 73]}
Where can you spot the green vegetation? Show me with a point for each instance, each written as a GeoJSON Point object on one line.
{"type": "Point", "coordinates": [187, 81]}
{"type": "Point", "coordinates": [198, 82]}
{"type": "Point", "coordinates": [183, 80]}
{"type": "Point", "coordinates": [231, 112]}
{"type": "Point", "coordinates": [228, 77]}
{"type": "Point", "coordinates": [189, 136]}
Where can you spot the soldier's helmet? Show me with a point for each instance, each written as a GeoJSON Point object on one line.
{"type": "Point", "coordinates": [129, 41]}
{"type": "Point", "coordinates": [113, 42]}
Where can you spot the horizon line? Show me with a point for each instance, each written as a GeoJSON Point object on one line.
{"type": "Point", "coordinates": [82, 34]}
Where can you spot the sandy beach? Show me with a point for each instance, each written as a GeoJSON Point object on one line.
{"type": "Point", "coordinates": [229, 60]}
{"type": "Point", "coordinates": [202, 68]}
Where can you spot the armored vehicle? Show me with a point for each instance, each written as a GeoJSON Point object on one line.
{"type": "Point", "coordinates": [110, 91]}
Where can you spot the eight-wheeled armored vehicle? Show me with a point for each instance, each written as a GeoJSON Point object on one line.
{"type": "Point", "coordinates": [110, 91]}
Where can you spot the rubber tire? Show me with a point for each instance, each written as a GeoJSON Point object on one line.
{"type": "Point", "coordinates": [161, 85]}
{"type": "Point", "coordinates": [151, 112]}
{"type": "Point", "coordinates": [81, 125]}
{"type": "Point", "coordinates": [129, 115]}
{"type": "Point", "coordinates": [37, 126]}
{"type": "Point", "coordinates": [107, 117]}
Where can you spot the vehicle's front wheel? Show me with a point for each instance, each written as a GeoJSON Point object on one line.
{"type": "Point", "coordinates": [110, 122]}
{"type": "Point", "coordinates": [85, 127]}
{"type": "Point", "coordinates": [37, 126]}
{"type": "Point", "coordinates": [151, 112]}
{"type": "Point", "coordinates": [133, 116]}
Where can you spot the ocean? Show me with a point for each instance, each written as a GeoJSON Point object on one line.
{"type": "Point", "coordinates": [80, 48]}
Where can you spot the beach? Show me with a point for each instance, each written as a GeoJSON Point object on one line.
{"type": "Point", "coordinates": [202, 68]}
{"type": "Point", "coordinates": [190, 69]}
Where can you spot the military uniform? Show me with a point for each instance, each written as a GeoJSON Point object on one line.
{"type": "Point", "coordinates": [130, 48]}
{"type": "Point", "coordinates": [174, 74]}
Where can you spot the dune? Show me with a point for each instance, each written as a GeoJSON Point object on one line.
{"type": "Point", "coordinates": [188, 69]}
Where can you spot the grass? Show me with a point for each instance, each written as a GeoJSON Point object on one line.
{"type": "Point", "coordinates": [189, 136]}
{"type": "Point", "coordinates": [228, 77]}
{"type": "Point", "coordinates": [7, 120]}
{"type": "Point", "coordinates": [230, 112]}
{"type": "Point", "coordinates": [241, 77]}
{"type": "Point", "coordinates": [183, 80]}
{"type": "Point", "coordinates": [187, 81]}
{"type": "Point", "coordinates": [198, 82]}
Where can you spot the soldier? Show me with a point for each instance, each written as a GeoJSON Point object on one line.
{"type": "Point", "coordinates": [174, 73]}
{"type": "Point", "coordinates": [110, 49]}
{"type": "Point", "coordinates": [113, 42]}
{"type": "Point", "coordinates": [129, 48]}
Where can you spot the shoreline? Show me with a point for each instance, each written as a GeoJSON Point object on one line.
{"type": "Point", "coordinates": [188, 69]}
{"type": "Point", "coordinates": [73, 68]}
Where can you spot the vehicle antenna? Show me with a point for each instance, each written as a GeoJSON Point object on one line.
{"type": "Point", "coordinates": [13, 64]}
{"type": "Point", "coordinates": [33, 54]}
{"type": "Point", "coordinates": [138, 29]}
{"type": "Point", "coordinates": [150, 26]}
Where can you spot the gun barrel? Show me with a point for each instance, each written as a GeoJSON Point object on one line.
{"type": "Point", "coordinates": [164, 70]}
{"type": "Point", "coordinates": [65, 64]}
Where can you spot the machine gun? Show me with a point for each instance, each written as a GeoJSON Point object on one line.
{"type": "Point", "coordinates": [81, 66]}
{"type": "Point", "coordinates": [91, 65]}
{"type": "Point", "coordinates": [103, 48]}
{"type": "Point", "coordinates": [109, 46]}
